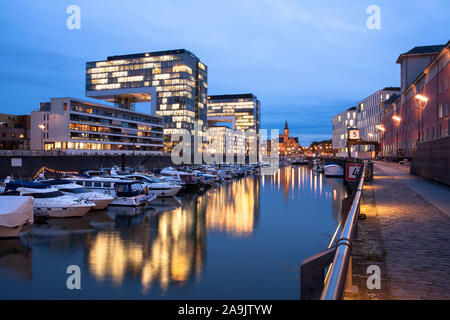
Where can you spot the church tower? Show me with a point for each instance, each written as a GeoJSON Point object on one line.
{"type": "Point", "coordinates": [286, 133]}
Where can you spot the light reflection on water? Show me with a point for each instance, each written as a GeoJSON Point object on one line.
{"type": "Point", "coordinates": [234, 241]}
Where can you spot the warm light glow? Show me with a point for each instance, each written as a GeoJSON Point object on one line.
{"type": "Point", "coordinates": [421, 98]}
{"type": "Point", "coordinates": [396, 118]}
{"type": "Point", "coordinates": [41, 126]}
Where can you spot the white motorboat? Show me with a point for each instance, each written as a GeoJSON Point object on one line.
{"type": "Point", "coordinates": [49, 201]}
{"type": "Point", "coordinates": [100, 199]}
{"type": "Point", "coordinates": [333, 170]}
{"type": "Point", "coordinates": [108, 186]}
{"type": "Point", "coordinates": [158, 187]}
{"type": "Point", "coordinates": [15, 212]}
{"type": "Point", "coordinates": [186, 180]}
{"type": "Point", "coordinates": [131, 193]}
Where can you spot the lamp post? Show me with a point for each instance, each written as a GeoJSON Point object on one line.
{"type": "Point", "coordinates": [397, 121]}
{"type": "Point", "coordinates": [42, 127]}
{"type": "Point", "coordinates": [422, 101]}
{"type": "Point", "coordinates": [380, 128]}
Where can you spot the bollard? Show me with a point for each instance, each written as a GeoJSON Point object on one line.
{"type": "Point", "coordinates": [369, 172]}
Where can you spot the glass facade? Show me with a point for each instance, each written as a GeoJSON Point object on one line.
{"type": "Point", "coordinates": [97, 127]}
{"type": "Point", "coordinates": [245, 108]}
{"type": "Point", "coordinates": [242, 110]}
{"type": "Point", "coordinates": [178, 76]}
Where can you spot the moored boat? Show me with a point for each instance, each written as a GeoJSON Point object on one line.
{"type": "Point", "coordinates": [49, 201]}
{"type": "Point", "coordinates": [155, 185]}
{"type": "Point", "coordinates": [67, 187]}
{"type": "Point", "coordinates": [15, 212]}
{"type": "Point", "coordinates": [333, 170]}
{"type": "Point", "coordinates": [131, 193]}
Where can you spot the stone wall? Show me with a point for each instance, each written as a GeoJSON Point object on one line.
{"type": "Point", "coordinates": [432, 160]}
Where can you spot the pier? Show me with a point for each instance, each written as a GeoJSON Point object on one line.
{"type": "Point", "coordinates": [406, 233]}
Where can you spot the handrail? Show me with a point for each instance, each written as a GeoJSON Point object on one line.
{"type": "Point", "coordinates": [335, 281]}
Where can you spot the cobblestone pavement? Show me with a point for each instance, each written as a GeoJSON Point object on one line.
{"type": "Point", "coordinates": [414, 245]}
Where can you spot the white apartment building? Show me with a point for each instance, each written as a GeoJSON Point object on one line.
{"type": "Point", "coordinates": [77, 127]}
{"type": "Point", "coordinates": [369, 113]}
{"type": "Point", "coordinates": [341, 123]}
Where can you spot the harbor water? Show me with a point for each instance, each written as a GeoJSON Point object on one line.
{"type": "Point", "coordinates": [243, 239]}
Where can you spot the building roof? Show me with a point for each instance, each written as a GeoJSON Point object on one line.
{"type": "Point", "coordinates": [232, 96]}
{"type": "Point", "coordinates": [151, 54]}
{"type": "Point", "coordinates": [391, 89]}
{"type": "Point", "coordinates": [438, 54]}
{"type": "Point", "coordinates": [422, 50]}
{"type": "Point", "coordinates": [286, 126]}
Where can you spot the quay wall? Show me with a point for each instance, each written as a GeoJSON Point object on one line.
{"type": "Point", "coordinates": [31, 164]}
{"type": "Point", "coordinates": [63, 162]}
{"type": "Point", "coordinates": [432, 160]}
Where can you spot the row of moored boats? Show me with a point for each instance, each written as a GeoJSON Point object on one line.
{"type": "Point", "coordinates": [76, 194]}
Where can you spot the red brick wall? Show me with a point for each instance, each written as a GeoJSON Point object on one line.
{"type": "Point", "coordinates": [434, 126]}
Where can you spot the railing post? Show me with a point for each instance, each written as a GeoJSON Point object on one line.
{"type": "Point", "coordinates": [312, 274]}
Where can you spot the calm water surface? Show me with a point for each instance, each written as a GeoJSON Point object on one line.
{"type": "Point", "coordinates": [244, 239]}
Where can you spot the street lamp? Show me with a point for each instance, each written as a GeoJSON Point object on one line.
{"type": "Point", "coordinates": [422, 101]}
{"type": "Point", "coordinates": [397, 119]}
{"type": "Point", "coordinates": [42, 127]}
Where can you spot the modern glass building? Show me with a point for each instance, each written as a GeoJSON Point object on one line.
{"type": "Point", "coordinates": [76, 126]}
{"type": "Point", "coordinates": [243, 111]}
{"type": "Point", "coordinates": [173, 82]}
{"type": "Point", "coordinates": [239, 112]}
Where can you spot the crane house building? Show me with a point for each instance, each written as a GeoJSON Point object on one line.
{"type": "Point", "coordinates": [173, 83]}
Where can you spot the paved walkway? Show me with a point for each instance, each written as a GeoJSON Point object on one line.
{"type": "Point", "coordinates": [407, 233]}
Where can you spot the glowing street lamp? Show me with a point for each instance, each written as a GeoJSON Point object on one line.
{"type": "Point", "coordinates": [398, 120]}
{"type": "Point", "coordinates": [42, 127]}
{"type": "Point", "coordinates": [422, 100]}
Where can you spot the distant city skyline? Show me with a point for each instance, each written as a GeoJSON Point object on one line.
{"type": "Point", "coordinates": [304, 61]}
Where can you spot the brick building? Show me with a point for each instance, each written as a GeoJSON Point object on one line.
{"type": "Point", "coordinates": [421, 114]}
{"type": "Point", "coordinates": [288, 145]}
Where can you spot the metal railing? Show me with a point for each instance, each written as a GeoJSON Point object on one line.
{"type": "Point", "coordinates": [314, 284]}
{"type": "Point", "coordinates": [55, 153]}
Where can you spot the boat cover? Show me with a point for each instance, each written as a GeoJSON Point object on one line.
{"type": "Point", "coordinates": [16, 211]}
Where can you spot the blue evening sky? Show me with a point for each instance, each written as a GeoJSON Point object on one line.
{"type": "Point", "coordinates": [306, 60]}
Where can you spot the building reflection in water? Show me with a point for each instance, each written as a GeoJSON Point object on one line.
{"type": "Point", "coordinates": [164, 248]}
{"type": "Point", "coordinates": [168, 247]}
{"type": "Point", "coordinates": [293, 179]}
{"type": "Point", "coordinates": [234, 208]}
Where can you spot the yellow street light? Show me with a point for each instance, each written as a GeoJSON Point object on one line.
{"type": "Point", "coordinates": [421, 98]}
{"type": "Point", "coordinates": [41, 126]}
{"type": "Point", "coordinates": [396, 118]}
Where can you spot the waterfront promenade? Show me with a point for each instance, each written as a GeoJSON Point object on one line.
{"type": "Point", "coordinates": [406, 233]}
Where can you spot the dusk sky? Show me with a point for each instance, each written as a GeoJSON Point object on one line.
{"type": "Point", "coordinates": [305, 60]}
